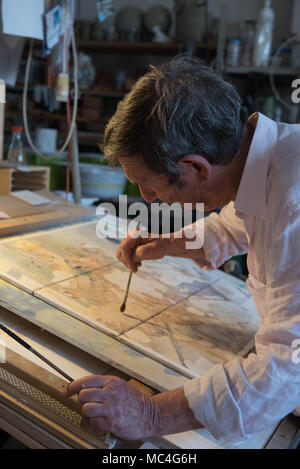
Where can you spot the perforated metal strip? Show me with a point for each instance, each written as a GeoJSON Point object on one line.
{"type": "Point", "coordinates": [44, 399]}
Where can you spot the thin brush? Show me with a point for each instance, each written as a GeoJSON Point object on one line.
{"type": "Point", "coordinates": [35, 352]}
{"type": "Point", "coordinates": [123, 305]}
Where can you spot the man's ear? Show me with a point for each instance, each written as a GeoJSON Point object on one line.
{"type": "Point", "coordinates": [196, 166]}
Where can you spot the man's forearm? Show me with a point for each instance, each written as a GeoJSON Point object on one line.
{"type": "Point", "coordinates": [169, 412]}
{"type": "Point", "coordinates": [178, 247]}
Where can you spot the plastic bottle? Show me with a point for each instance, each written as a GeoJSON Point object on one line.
{"type": "Point", "coordinates": [233, 52]}
{"type": "Point", "coordinates": [264, 36]}
{"type": "Point", "coordinates": [16, 153]}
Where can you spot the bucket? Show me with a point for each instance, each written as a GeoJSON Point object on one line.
{"type": "Point", "coordinates": [102, 181]}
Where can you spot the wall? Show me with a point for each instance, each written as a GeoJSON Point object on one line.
{"type": "Point", "coordinates": [296, 17]}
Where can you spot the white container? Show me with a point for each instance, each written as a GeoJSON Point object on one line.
{"type": "Point", "coordinates": [264, 36]}
{"type": "Point", "coordinates": [233, 52]}
{"type": "Point", "coordinates": [46, 140]}
{"type": "Point", "coordinates": [102, 181]}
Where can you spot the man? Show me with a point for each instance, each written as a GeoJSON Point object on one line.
{"type": "Point", "coordinates": [181, 135]}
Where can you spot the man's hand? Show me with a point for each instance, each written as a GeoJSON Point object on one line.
{"type": "Point", "coordinates": [155, 248]}
{"type": "Point", "coordinates": [148, 249]}
{"type": "Point", "coordinates": [113, 405]}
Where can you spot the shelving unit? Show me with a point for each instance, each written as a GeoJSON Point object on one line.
{"type": "Point", "coordinates": [254, 83]}
{"type": "Point", "coordinates": [140, 47]}
{"type": "Point", "coordinates": [102, 91]}
{"type": "Point", "coordinates": [263, 71]}
{"type": "Point", "coordinates": [42, 114]}
{"type": "Point", "coordinates": [86, 137]}
{"type": "Point", "coordinates": [109, 94]}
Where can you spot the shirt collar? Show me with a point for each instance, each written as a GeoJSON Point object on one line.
{"type": "Point", "coordinates": [251, 196]}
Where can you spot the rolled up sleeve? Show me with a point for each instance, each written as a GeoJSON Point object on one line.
{"type": "Point", "coordinates": [224, 237]}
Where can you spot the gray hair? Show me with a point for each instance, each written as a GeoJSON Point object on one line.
{"type": "Point", "coordinates": [181, 107]}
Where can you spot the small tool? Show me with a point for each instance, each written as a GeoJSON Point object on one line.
{"type": "Point", "coordinates": [35, 352]}
{"type": "Point", "coordinates": [123, 305]}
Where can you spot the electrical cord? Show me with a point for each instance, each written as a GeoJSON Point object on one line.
{"type": "Point", "coordinates": [271, 73]}
{"type": "Point", "coordinates": [75, 106]}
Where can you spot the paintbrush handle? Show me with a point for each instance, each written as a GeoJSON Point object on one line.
{"type": "Point", "coordinates": [15, 337]}
{"type": "Point", "coordinates": [35, 352]}
{"type": "Point", "coordinates": [123, 306]}
{"type": "Point", "coordinates": [138, 242]}
{"type": "Point", "coordinates": [128, 286]}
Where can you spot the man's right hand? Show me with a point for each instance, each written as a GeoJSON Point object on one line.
{"type": "Point", "coordinates": [155, 248]}
{"type": "Point", "coordinates": [148, 249]}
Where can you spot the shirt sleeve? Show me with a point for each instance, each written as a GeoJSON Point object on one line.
{"type": "Point", "coordinates": [224, 237]}
{"type": "Point", "coordinates": [247, 395]}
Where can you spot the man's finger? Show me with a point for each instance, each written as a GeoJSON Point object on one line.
{"type": "Point", "coordinates": [94, 409]}
{"type": "Point", "coordinates": [125, 251]}
{"type": "Point", "coordinates": [136, 267]}
{"type": "Point", "coordinates": [148, 251]}
{"type": "Point", "coordinates": [93, 381]}
{"type": "Point", "coordinates": [91, 395]}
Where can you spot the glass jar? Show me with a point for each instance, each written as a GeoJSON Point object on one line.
{"type": "Point", "coordinates": [16, 153]}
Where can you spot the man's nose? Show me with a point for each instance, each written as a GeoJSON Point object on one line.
{"type": "Point", "coordinates": [148, 194]}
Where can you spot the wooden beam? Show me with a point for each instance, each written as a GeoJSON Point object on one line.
{"type": "Point", "coordinates": [27, 432]}
{"type": "Point", "coordinates": [285, 433]}
{"type": "Point", "coordinates": [42, 220]}
{"type": "Point", "coordinates": [2, 113]}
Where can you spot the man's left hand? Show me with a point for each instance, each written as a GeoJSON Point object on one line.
{"type": "Point", "coordinates": [113, 405]}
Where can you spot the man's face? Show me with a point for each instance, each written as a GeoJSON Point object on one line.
{"type": "Point", "coordinates": [154, 186]}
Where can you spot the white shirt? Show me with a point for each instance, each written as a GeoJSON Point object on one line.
{"type": "Point", "coordinates": [246, 395]}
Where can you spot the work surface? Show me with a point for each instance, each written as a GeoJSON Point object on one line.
{"type": "Point", "coordinates": [179, 320]}
{"type": "Point", "coordinates": [186, 318]}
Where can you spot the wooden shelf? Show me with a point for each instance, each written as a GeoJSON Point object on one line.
{"type": "Point", "coordinates": [104, 91]}
{"type": "Point", "coordinates": [42, 114]}
{"type": "Point", "coordinates": [140, 47]}
{"type": "Point", "coordinates": [19, 87]}
{"type": "Point", "coordinates": [263, 71]}
{"type": "Point", "coordinates": [34, 178]}
{"type": "Point", "coordinates": [88, 137]}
